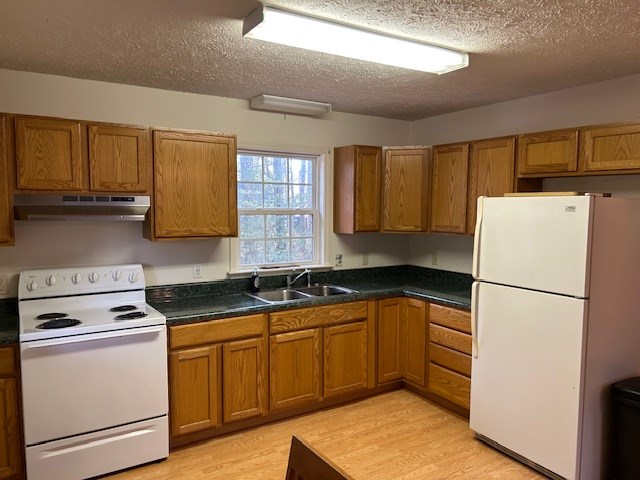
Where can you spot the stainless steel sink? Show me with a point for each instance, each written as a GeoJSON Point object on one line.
{"type": "Point", "coordinates": [301, 293]}
{"type": "Point", "coordinates": [283, 295]}
{"type": "Point", "coordinates": [325, 290]}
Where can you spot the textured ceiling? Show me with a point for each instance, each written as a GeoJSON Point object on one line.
{"type": "Point", "coordinates": [516, 48]}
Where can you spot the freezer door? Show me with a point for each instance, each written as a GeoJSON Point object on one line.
{"type": "Point", "coordinates": [540, 243]}
{"type": "Point", "coordinates": [526, 374]}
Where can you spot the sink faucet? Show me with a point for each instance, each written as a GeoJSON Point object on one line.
{"type": "Point", "coordinates": [291, 279]}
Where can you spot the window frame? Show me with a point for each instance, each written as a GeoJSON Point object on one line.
{"type": "Point", "coordinates": [321, 200]}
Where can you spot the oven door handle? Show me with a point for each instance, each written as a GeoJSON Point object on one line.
{"type": "Point", "coordinates": [97, 336]}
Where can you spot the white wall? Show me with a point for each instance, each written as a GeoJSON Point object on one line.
{"type": "Point", "coordinates": [87, 243]}
{"type": "Point", "coordinates": [602, 102]}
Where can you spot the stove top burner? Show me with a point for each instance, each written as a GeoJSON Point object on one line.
{"type": "Point", "coordinates": [51, 316]}
{"type": "Point", "coordinates": [131, 316]}
{"type": "Point", "coordinates": [123, 308]}
{"type": "Point", "coordinates": [59, 323]}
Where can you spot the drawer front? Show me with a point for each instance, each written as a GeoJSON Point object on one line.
{"type": "Point", "coordinates": [450, 338]}
{"type": "Point", "coordinates": [450, 317]}
{"type": "Point", "coordinates": [451, 359]}
{"type": "Point", "coordinates": [217, 331]}
{"type": "Point", "coordinates": [303, 318]}
{"type": "Point", "coordinates": [450, 385]}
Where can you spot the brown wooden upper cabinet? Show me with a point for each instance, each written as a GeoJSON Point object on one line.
{"type": "Point", "coordinates": [195, 185]}
{"type": "Point", "coordinates": [611, 148]}
{"type": "Point", "coordinates": [357, 181]}
{"type": "Point", "coordinates": [491, 172]}
{"type": "Point", "coordinates": [449, 188]}
{"type": "Point", "coordinates": [405, 204]}
{"type": "Point", "coordinates": [119, 158]}
{"type": "Point", "coordinates": [545, 153]}
{"type": "Point", "coordinates": [6, 182]}
{"type": "Point", "coordinates": [55, 154]}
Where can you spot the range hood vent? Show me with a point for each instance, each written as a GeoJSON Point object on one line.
{"type": "Point", "coordinates": [81, 207]}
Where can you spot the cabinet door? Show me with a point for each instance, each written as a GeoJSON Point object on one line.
{"type": "Point", "coordinates": [119, 158]}
{"type": "Point", "coordinates": [357, 182]}
{"type": "Point", "coordinates": [449, 188]}
{"type": "Point", "coordinates": [491, 171]}
{"type": "Point", "coordinates": [295, 374]}
{"type": "Point", "coordinates": [406, 190]}
{"type": "Point", "coordinates": [345, 358]}
{"type": "Point", "coordinates": [195, 397]}
{"type": "Point", "coordinates": [547, 152]}
{"type": "Point", "coordinates": [244, 379]}
{"type": "Point", "coordinates": [611, 148]}
{"type": "Point", "coordinates": [415, 338]}
{"type": "Point", "coordinates": [195, 185]}
{"type": "Point", "coordinates": [10, 443]}
{"type": "Point", "coordinates": [6, 183]}
{"type": "Point", "coordinates": [389, 339]}
{"type": "Point", "coordinates": [50, 154]}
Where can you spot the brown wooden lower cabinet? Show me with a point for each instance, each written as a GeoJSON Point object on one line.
{"type": "Point", "coordinates": [389, 339]}
{"type": "Point", "coordinates": [295, 368]}
{"type": "Point", "coordinates": [217, 375]}
{"type": "Point", "coordinates": [415, 338]}
{"type": "Point", "coordinates": [450, 354]}
{"type": "Point", "coordinates": [11, 446]}
{"type": "Point", "coordinates": [345, 358]}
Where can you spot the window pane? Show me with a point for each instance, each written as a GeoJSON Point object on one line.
{"type": "Point", "coordinates": [275, 169]}
{"type": "Point", "coordinates": [251, 252]}
{"type": "Point", "coordinates": [301, 225]}
{"type": "Point", "coordinates": [249, 168]}
{"type": "Point", "coordinates": [251, 226]}
{"type": "Point", "coordinates": [275, 196]}
{"type": "Point", "coordinates": [277, 251]}
{"type": "Point", "coordinates": [301, 249]}
{"type": "Point", "coordinates": [301, 196]}
{"type": "Point", "coordinates": [300, 171]}
{"type": "Point", "coordinates": [277, 226]}
{"type": "Point", "coordinates": [249, 195]}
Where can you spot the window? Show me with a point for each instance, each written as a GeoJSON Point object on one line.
{"type": "Point", "coordinates": [277, 206]}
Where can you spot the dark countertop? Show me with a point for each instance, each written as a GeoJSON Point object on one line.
{"type": "Point", "coordinates": [190, 303]}
{"type": "Point", "coordinates": [183, 308]}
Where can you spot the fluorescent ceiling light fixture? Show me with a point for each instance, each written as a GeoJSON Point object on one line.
{"type": "Point", "coordinates": [289, 105]}
{"type": "Point", "coordinates": [296, 30]}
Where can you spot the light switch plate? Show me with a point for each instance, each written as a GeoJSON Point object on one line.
{"type": "Point", "coordinates": [197, 270]}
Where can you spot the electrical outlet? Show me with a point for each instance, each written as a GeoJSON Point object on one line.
{"type": "Point", "coordinates": [434, 258]}
{"type": "Point", "coordinates": [338, 260]}
{"type": "Point", "coordinates": [365, 259]}
{"type": "Point", "coordinates": [197, 270]}
{"type": "Point", "coordinates": [4, 284]}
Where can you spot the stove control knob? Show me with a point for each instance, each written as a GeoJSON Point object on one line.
{"type": "Point", "coordinates": [76, 278]}
{"type": "Point", "coordinates": [32, 286]}
{"type": "Point", "coordinates": [117, 275]}
{"type": "Point", "coordinates": [94, 277]}
{"type": "Point", "coordinates": [51, 280]}
{"type": "Point", "coordinates": [133, 277]}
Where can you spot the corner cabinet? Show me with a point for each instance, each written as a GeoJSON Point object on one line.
{"type": "Point", "coordinates": [449, 188]}
{"type": "Point", "coordinates": [194, 185]}
{"type": "Point", "coordinates": [218, 373]}
{"type": "Point", "coordinates": [6, 182]}
{"type": "Point", "coordinates": [356, 193]}
{"type": "Point", "coordinates": [405, 199]}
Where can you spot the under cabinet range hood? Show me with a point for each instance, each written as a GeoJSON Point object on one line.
{"type": "Point", "coordinates": [81, 207]}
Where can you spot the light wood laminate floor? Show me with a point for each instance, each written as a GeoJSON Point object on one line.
{"type": "Point", "coordinates": [396, 435]}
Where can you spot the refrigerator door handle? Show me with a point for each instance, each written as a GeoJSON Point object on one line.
{"type": "Point", "coordinates": [475, 290]}
{"type": "Point", "coordinates": [476, 239]}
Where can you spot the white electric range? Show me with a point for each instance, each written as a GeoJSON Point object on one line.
{"type": "Point", "coordinates": [93, 362]}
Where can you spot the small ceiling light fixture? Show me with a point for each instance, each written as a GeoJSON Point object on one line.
{"type": "Point", "coordinates": [296, 30]}
{"type": "Point", "coordinates": [289, 105]}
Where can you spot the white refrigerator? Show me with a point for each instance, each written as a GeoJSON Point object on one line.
{"type": "Point", "coordinates": [556, 320]}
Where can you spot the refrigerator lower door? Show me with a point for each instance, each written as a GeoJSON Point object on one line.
{"type": "Point", "coordinates": [526, 373]}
